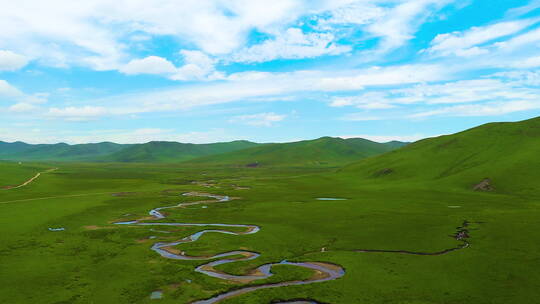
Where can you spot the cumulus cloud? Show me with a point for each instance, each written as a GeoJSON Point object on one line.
{"type": "Point", "coordinates": [10, 61]}
{"type": "Point", "coordinates": [197, 66]}
{"type": "Point", "coordinates": [260, 119]}
{"type": "Point", "coordinates": [148, 65]}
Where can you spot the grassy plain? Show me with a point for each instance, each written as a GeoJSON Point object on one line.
{"type": "Point", "coordinates": [93, 261]}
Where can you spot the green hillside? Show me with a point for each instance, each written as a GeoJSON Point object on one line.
{"type": "Point", "coordinates": [57, 152]}
{"type": "Point", "coordinates": [325, 151]}
{"type": "Point", "coordinates": [506, 153]}
{"type": "Point", "coordinates": [163, 151]}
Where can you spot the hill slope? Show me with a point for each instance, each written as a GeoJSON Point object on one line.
{"type": "Point", "coordinates": [506, 153]}
{"type": "Point", "coordinates": [163, 151]}
{"type": "Point", "coordinates": [326, 151]}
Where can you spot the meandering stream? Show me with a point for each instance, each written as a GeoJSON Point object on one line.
{"type": "Point", "coordinates": [325, 271]}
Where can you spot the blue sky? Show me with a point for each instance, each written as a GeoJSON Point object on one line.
{"type": "Point", "coordinates": [284, 70]}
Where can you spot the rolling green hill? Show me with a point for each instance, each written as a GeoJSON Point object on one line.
{"type": "Point", "coordinates": [163, 151]}
{"type": "Point", "coordinates": [506, 153]}
{"type": "Point", "coordinates": [324, 151]}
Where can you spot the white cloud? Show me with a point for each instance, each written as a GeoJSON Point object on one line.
{"type": "Point", "coordinates": [22, 102]}
{"type": "Point", "coordinates": [77, 113]}
{"type": "Point", "coordinates": [497, 88]}
{"type": "Point", "coordinates": [466, 43]}
{"type": "Point", "coordinates": [22, 107]}
{"type": "Point", "coordinates": [399, 23]}
{"type": "Point", "coordinates": [529, 62]}
{"type": "Point", "coordinates": [97, 34]}
{"type": "Point", "coordinates": [518, 50]}
{"type": "Point", "coordinates": [197, 65]}
{"type": "Point", "coordinates": [292, 44]}
{"type": "Point", "coordinates": [260, 119]}
{"type": "Point", "coordinates": [148, 65]}
{"type": "Point", "coordinates": [370, 101]}
{"type": "Point", "coordinates": [485, 109]}
{"type": "Point", "coordinates": [35, 98]}
{"type": "Point", "coordinates": [7, 90]}
{"type": "Point", "coordinates": [471, 52]}
{"type": "Point", "coordinates": [355, 12]}
{"type": "Point", "coordinates": [102, 34]}
{"type": "Point", "coordinates": [522, 10]}
{"type": "Point", "coordinates": [498, 94]}
{"type": "Point", "coordinates": [392, 75]}
{"type": "Point", "coordinates": [520, 77]}
{"type": "Point", "coordinates": [530, 37]}
{"type": "Point", "coordinates": [10, 61]}
{"type": "Point", "coordinates": [261, 85]}
{"type": "Point", "coordinates": [465, 91]}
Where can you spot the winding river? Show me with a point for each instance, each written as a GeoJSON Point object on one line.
{"type": "Point", "coordinates": [324, 271]}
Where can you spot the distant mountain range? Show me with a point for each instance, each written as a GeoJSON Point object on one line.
{"type": "Point", "coordinates": [323, 151]}
{"type": "Point", "coordinates": [57, 152]}
{"type": "Point", "coordinates": [163, 151]}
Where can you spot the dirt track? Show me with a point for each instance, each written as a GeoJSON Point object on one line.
{"type": "Point", "coordinates": [30, 180]}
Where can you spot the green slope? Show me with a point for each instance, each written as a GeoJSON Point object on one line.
{"type": "Point", "coordinates": [325, 151]}
{"type": "Point", "coordinates": [57, 152]}
{"type": "Point", "coordinates": [506, 153]}
{"type": "Point", "coordinates": [162, 151]}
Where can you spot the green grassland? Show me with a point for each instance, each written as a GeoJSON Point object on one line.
{"type": "Point", "coordinates": [414, 206]}
{"type": "Point", "coordinates": [13, 174]}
